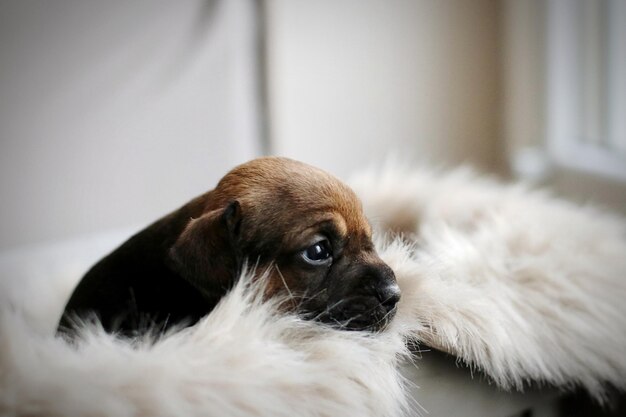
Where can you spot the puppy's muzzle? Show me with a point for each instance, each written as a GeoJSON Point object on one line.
{"type": "Point", "coordinates": [370, 307]}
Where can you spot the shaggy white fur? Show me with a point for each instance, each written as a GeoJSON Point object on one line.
{"type": "Point", "coordinates": [518, 284]}
{"type": "Point", "coordinates": [244, 359]}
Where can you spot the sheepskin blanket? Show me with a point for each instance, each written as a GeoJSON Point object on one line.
{"type": "Point", "coordinates": [515, 283]}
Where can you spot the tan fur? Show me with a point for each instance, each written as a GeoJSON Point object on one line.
{"type": "Point", "coordinates": [259, 184]}
{"type": "Point", "coordinates": [279, 194]}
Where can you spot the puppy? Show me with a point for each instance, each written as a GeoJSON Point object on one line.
{"type": "Point", "coordinates": [300, 223]}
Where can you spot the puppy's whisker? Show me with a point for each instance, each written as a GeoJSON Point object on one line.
{"type": "Point", "coordinates": [327, 311]}
{"type": "Point", "coordinates": [390, 312]}
{"type": "Point", "coordinates": [317, 316]}
{"type": "Point", "coordinates": [337, 304]}
{"type": "Point", "coordinates": [385, 318]}
{"type": "Point", "coordinates": [339, 324]}
{"type": "Point", "coordinates": [302, 298]}
{"type": "Point", "coordinates": [305, 296]}
{"type": "Point", "coordinates": [282, 278]}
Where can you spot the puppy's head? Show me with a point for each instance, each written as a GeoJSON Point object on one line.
{"type": "Point", "coordinates": [304, 224]}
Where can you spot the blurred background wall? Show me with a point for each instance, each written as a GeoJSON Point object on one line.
{"type": "Point", "coordinates": [353, 80]}
{"type": "Point", "coordinates": [114, 113]}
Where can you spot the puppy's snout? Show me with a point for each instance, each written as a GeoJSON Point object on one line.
{"type": "Point", "coordinates": [389, 296]}
{"type": "Point", "coordinates": [370, 302]}
{"type": "Point", "coordinates": [384, 286]}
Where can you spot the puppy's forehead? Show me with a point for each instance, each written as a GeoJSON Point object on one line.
{"type": "Point", "coordinates": [282, 186]}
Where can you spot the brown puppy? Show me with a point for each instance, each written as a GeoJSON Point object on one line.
{"type": "Point", "coordinates": [303, 224]}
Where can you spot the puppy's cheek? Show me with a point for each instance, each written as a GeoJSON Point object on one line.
{"type": "Point", "coordinates": [299, 290]}
{"type": "Point", "coordinates": [273, 285]}
{"type": "Point", "coordinates": [277, 287]}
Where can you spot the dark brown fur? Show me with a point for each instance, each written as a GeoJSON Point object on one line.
{"type": "Point", "coordinates": [266, 213]}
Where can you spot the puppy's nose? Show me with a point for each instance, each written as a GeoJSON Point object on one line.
{"type": "Point", "coordinates": [388, 296]}
{"type": "Point", "coordinates": [383, 285]}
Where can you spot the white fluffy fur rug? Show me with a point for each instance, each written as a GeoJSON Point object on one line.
{"type": "Point", "coordinates": [518, 284]}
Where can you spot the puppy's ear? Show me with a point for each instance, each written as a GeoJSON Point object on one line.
{"type": "Point", "coordinates": [207, 252]}
{"type": "Point", "coordinates": [232, 218]}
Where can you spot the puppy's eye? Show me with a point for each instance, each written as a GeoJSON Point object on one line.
{"type": "Point", "coordinates": [318, 253]}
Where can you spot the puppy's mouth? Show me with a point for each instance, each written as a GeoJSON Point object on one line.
{"type": "Point", "coordinates": [361, 313]}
